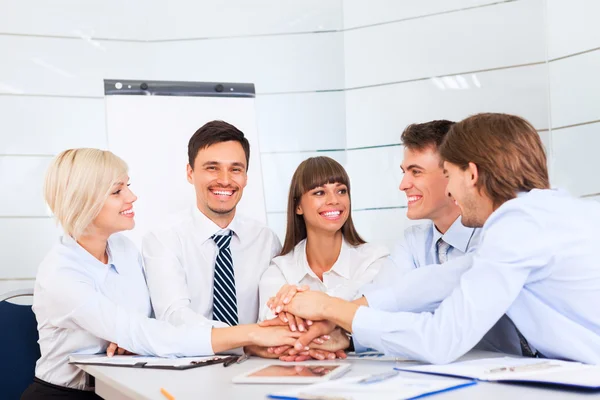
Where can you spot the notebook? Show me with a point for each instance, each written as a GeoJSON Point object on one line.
{"type": "Point", "coordinates": [520, 370]}
{"type": "Point", "coordinates": [182, 363]}
{"type": "Point", "coordinates": [364, 388]}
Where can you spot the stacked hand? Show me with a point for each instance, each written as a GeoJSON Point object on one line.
{"type": "Point", "coordinates": [320, 340]}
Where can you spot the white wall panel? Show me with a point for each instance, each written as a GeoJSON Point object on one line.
{"type": "Point", "coordinates": [180, 19]}
{"type": "Point", "coordinates": [378, 115]}
{"type": "Point", "coordinates": [21, 180]}
{"type": "Point", "coordinates": [115, 19]}
{"type": "Point", "coordinates": [304, 62]}
{"type": "Point", "coordinates": [384, 227]}
{"type": "Point", "coordinates": [375, 176]}
{"type": "Point", "coordinates": [576, 162]}
{"type": "Point", "coordinates": [70, 67]}
{"type": "Point", "coordinates": [25, 243]}
{"type": "Point", "coordinates": [489, 37]}
{"type": "Point", "coordinates": [360, 13]}
{"type": "Point", "coordinates": [301, 121]}
{"type": "Point", "coordinates": [48, 125]}
{"type": "Point", "coordinates": [572, 26]}
{"type": "Point", "coordinates": [575, 89]}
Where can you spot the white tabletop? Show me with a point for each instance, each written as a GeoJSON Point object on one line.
{"type": "Point", "coordinates": [214, 382]}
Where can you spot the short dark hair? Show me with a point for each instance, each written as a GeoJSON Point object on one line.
{"type": "Point", "coordinates": [507, 150]}
{"type": "Point", "coordinates": [428, 134]}
{"type": "Point", "coordinates": [216, 132]}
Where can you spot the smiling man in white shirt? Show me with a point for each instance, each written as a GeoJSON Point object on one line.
{"type": "Point", "coordinates": [206, 264]}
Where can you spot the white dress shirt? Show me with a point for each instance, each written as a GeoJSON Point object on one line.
{"type": "Point", "coordinates": [82, 304]}
{"type": "Point", "coordinates": [537, 262]}
{"type": "Point", "coordinates": [355, 266]}
{"type": "Point", "coordinates": [180, 264]}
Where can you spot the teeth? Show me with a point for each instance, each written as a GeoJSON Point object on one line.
{"type": "Point", "coordinates": [331, 213]}
{"type": "Point", "coordinates": [413, 198]}
{"type": "Point", "coordinates": [127, 212]}
{"type": "Point", "coordinates": [222, 193]}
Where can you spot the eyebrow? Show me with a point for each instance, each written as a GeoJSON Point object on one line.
{"type": "Point", "coordinates": [235, 164]}
{"type": "Point", "coordinates": [411, 166]}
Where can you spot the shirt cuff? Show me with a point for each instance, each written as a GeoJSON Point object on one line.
{"type": "Point", "coordinates": [380, 298]}
{"type": "Point", "coordinates": [363, 332]}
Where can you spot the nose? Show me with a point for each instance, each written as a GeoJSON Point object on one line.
{"type": "Point", "coordinates": [406, 182]}
{"type": "Point", "coordinates": [223, 178]}
{"type": "Point", "coordinates": [132, 197]}
{"type": "Point", "coordinates": [332, 198]}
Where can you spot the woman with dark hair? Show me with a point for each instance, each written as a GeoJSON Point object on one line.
{"type": "Point", "coordinates": [322, 250]}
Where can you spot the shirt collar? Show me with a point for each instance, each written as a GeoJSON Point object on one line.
{"type": "Point", "coordinates": [72, 244]}
{"type": "Point", "coordinates": [340, 267]}
{"type": "Point", "coordinates": [206, 228]}
{"type": "Point", "coordinates": [457, 236]}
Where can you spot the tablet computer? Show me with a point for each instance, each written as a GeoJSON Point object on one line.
{"type": "Point", "coordinates": [293, 372]}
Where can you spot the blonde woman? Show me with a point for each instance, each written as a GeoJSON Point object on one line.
{"type": "Point", "coordinates": [322, 249]}
{"type": "Point", "coordinates": [91, 290]}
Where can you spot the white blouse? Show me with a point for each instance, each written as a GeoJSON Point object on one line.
{"type": "Point", "coordinates": [82, 304]}
{"type": "Point", "coordinates": [355, 267]}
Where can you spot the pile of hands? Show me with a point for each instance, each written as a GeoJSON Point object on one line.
{"type": "Point", "coordinates": [319, 340]}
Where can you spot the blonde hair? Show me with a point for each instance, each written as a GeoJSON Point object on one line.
{"type": "Point", "coordinates": [77, 184]}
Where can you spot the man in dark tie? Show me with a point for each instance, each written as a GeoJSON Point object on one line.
{"type": "Point", "coordinates": [205, 264]}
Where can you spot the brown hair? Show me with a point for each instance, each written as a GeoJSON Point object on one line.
{"type": "Point", "coordinates": [311, 173]}
{"type": "Point", "coordinates": [507, 150]}
{"type": "Point", "coordinates": [216, 132]}
{"type": "Point", "coordinates": [428, 134]}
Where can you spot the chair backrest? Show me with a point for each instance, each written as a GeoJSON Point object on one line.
{"type": "Point", "coordinates": [19, 336]}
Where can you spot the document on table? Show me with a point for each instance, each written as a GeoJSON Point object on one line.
{"type": "Point", "coordinates": [376, 356]}
{"type": "Point", "coordinates": [396, 388]}
{"type": "Point", "coordinates": [146, 362]}
{"type": "Point", "coordinates": [522, 370]}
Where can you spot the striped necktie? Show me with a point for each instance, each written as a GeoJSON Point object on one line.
{"type": "Point", "coordinates": [442, 250]}
{"type": "Point", "coordinates": [224, 296]}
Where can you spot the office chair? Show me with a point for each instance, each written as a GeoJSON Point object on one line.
{"type": "Point", "coordinates": [19, 338]}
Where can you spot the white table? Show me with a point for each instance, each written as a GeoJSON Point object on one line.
{"type": "Point", "coordinates": [214, 382]}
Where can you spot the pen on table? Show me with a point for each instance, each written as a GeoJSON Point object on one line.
{"type": "Point", "coordinates": [230, 360]}
{"type": "Point", "coordinates": [525, 367]}
{"type": "Point", "coordinates": [379, 377]}
{"type": "Point", "coordinates": [242, 358]}
{"type": "Point", "coordinates": [167, 394]}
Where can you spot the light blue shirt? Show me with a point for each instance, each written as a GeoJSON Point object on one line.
{"type": "Point", "coordinates": [412, 279]}
{"type": "Point", "coordinates": [537, 262]}
{"type": "Point", "coordinates": [82, 304]}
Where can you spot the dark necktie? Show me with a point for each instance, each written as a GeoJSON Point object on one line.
{"type": "Point", "coordinates": [224, 295]}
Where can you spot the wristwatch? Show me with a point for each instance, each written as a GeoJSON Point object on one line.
{"type": "Point", "coordinates": [351, 339]}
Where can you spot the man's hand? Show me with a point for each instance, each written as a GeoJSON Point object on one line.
{"type": "Point", "coordinates": [309, 305]}
{"type": "Point", "coordinates": [113, 349]}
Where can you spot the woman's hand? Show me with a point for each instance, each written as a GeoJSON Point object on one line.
{"type": "Point", "coordinates": [114, 348]}
{"type": "Point", "coordinates": [309, 305]}
{"type": "Point", "coordinates": [272, 336]}
{"type": "Point", "coordinates": [284, 296]}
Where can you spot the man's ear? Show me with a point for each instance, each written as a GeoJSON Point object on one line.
{"type": "Point", "coordinates": [473, 174]}
{"type": "Point", "coordinates": [190, 171]}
